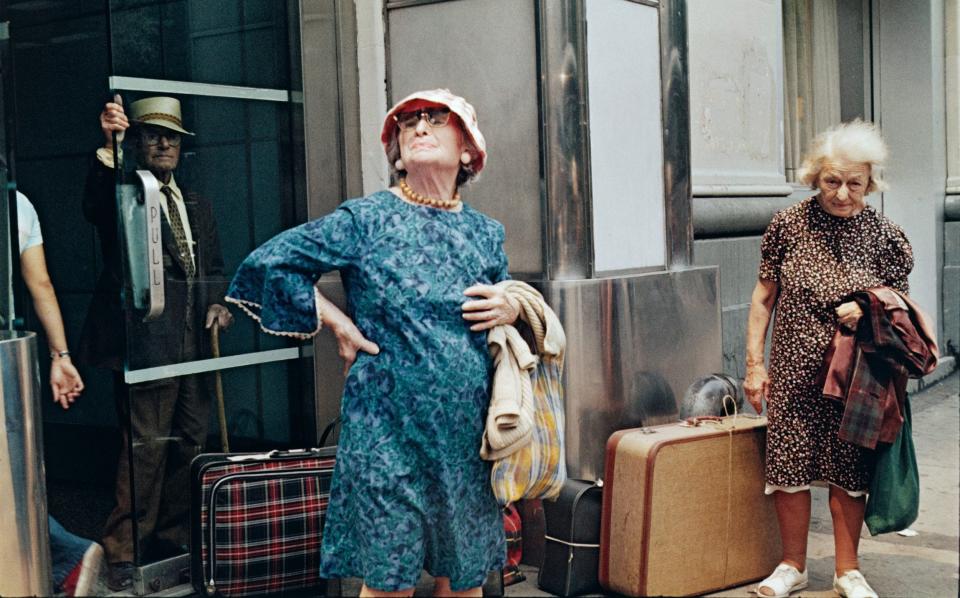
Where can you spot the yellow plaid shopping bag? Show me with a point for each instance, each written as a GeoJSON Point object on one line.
{"type": "Point", "coordinates": [538, 469]}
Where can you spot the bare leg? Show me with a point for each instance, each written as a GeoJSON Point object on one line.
{"type": "Point", "coordinates": [847, 512]}
{"type": "Point", "coordinates": [793, 513]}
{"type": "Point", "coordinates": [442, 588]}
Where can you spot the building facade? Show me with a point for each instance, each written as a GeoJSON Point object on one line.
{"type": "Point", "coordinates": [638, 149]}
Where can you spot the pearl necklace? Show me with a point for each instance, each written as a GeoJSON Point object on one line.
{"type": "Point", "coordinates": [433, 202]}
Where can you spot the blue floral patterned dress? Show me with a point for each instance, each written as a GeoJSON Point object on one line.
{"type": "Point", "coordinates": [410, 491]}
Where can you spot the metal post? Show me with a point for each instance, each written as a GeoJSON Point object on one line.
{"type": "Point", "coordinates": [24, 534]}
{"type": "Point", "coordinates": [675, 94]}
{"type": "Point", "coordinates": [566, 140]}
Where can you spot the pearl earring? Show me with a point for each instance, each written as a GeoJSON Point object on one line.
{"type": "Point", "coordinates": [465, 158]}
{"type": "Point", "coordinates": [398, 164]}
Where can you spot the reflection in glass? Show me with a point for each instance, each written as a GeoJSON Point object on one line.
{"type": "Point", "coordinates": [225, 179]}
{"type": "Point", "coordinates": [242, 161]}
{"type": "Point", "coordinates": [228, 42]}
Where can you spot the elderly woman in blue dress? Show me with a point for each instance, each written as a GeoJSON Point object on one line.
{"type": "Point", "coordinates": [410, 491]}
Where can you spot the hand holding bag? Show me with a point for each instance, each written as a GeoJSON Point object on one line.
{"type": "Point", "coordinates": [538, 469]}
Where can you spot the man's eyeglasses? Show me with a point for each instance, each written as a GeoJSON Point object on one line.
{"type": "Point", "coordinates": [436, 117]}
{"type": "Point", "coordinates": [153, 137]}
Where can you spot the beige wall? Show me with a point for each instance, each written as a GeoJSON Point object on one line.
{"type": "Point", "coordinates": [736, 97]}
{"type": "Point", "coordinates": [952, 43]}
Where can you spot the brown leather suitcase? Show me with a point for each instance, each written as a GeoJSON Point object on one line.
{"type": "Point", "coordinates": [684, 511]}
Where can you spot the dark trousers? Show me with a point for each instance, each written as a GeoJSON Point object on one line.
{"type": "Point", "coordinates": [167, 422]}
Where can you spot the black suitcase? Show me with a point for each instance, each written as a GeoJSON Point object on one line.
{"type": "Point", "coordinates": [256, 520]}
{"type": "Point", "coordinates": [571, 555]}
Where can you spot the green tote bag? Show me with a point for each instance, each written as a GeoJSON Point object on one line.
{"type": "Point", "coordinates": [895, 489]}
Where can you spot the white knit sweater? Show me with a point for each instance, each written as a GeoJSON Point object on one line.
{"type": "Point", "coordinates": [510, 417]}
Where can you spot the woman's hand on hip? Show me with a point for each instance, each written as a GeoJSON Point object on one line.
{"type": "Point", "coordinates": [756, 385]}
{"type": "Point", "coordinates": [494, 308]}
{"type": "Point", "coordinates": [349, 338]}
{"type": "Point", "coordinates": [849, 314]}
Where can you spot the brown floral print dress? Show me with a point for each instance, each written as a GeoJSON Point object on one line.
{"type": "Point", "coordinates": [817, 260]}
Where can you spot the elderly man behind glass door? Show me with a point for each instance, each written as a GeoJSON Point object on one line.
{"type": "Point", "coordinates": [167, 418]}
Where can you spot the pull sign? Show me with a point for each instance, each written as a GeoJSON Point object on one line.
{"type": "Point", "coordinates": [151, 199]}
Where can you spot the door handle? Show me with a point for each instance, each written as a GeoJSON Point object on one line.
{"type": "Point", "coordinates": [141, 217]}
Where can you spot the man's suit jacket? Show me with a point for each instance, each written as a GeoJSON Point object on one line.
{"type": "Point", "coordinates": [104, 342]}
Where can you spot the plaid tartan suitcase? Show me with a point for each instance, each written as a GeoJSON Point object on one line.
{"type": "Point", "coordinates": [256, 520]}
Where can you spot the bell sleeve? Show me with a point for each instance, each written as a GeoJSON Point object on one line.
{"type": "Point", "coordinates": [276, 283]}
{"type": "Point", "coordinates": [772, 250]}
{"type": "Point", "coordinates": [897, 260]}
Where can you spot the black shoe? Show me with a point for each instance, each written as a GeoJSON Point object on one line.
{"type": "Point", "coordinates": [120, 576]}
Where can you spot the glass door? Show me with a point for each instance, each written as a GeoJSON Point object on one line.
{"type": "Point", "coordinates": [118, 458]}
{"type": "Point", "coordinates": [213, 98]}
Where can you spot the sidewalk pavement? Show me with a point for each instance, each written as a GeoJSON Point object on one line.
{"type": "Point", "coordinates": [919, 566]}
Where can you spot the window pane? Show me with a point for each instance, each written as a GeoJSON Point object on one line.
{"type": "Point", "coordinates": [228, 42]}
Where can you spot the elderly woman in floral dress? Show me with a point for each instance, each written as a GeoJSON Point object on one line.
{"type": "Point", "coordinates": [814, 254]}
{"type": "Point", "coordinates": [410, 491]}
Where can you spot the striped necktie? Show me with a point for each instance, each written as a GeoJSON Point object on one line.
{"type": "Point", "coordinates": [176, 225]}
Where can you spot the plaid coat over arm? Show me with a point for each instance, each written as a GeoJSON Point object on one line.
{"type": "Point", "coordinates": [868, 369]}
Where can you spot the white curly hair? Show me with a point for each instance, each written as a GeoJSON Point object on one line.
{"type": "Point", "coordinates": [855, 142]}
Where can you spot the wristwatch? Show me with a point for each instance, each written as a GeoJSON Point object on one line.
{"type": "Point", "coordinates": [56, 354]}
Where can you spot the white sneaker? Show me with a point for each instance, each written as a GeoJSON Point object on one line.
{"type": "Point", "coordinates": [852, 584]}
{"type": "Point", "coordinates": [784, 580]}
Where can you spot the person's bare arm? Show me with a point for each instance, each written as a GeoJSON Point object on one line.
{"type": "Point", "coordinates": [761, 308]}
{"type": "Point", "coordinates": [350, 340]}
{"type": "Point", "coordinates": [65, 381]}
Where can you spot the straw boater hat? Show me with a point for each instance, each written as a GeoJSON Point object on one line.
{"type": "Point", "coordinates": [457, 105]}
{"type": "Point", "coordinates": [158, 111]}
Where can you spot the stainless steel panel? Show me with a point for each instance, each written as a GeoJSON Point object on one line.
{"type": "Point", "coordinates": [485, 51]}
{"type": "Point", "coordinates": [8, 240]}
{"type": "Point", "coordinates": [155, 577]}
{"type": "Point", "coordinates": [676, 130]}
{"type": "Point", "coordinates": [568, 234]}
{"type": "Point", "coordinates": [634, 344]}
{"type": "Point", "coordinates": [24, 534]}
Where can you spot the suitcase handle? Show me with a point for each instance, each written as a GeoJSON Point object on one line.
{"type": "Point", "coordinates": [303, 452]}
{"type": "Point", "coordinates": [328, 430]}
{"type": "Point", "coordinates": [693, 422]}
{"type": "Point", "coordinates": [291, 452]}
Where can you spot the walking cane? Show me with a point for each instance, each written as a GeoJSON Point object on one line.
{"type": "Point", "coordinates": [218, 380]}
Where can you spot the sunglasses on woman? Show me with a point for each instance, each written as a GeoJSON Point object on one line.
{"type": "Point", "coordinates": [436, 117]}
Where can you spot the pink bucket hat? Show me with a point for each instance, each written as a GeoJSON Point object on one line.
{"type": "Point", "coordinates": [457, 105]}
